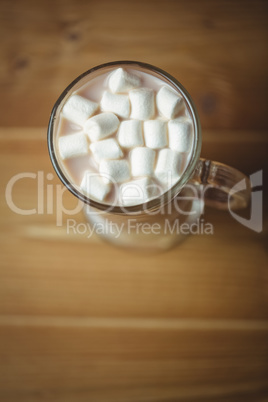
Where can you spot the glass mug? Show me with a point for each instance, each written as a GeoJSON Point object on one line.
{"type": "Point", "coordinates": [164, 221]}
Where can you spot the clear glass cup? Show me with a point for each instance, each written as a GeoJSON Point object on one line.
{"type": "Point", "coordinates": [164, 221]}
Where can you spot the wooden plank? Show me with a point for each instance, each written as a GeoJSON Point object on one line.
{"type": "Point", "coordinates": [219, 276]}
{"type": "Point", "coordinates": [72, 363]}
{"type": "Point", "coordinates": [216, 49]}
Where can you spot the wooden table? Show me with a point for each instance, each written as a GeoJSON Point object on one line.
{"type": "Point", "coordinates": [81, 320]}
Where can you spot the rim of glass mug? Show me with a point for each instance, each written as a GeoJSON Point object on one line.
{"type": "Point", "coordinates": [197, 168]}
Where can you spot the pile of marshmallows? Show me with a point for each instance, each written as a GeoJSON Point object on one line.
{"type": "Point", "coordinates": [147, 143]}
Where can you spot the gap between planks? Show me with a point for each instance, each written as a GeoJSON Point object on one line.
{"type": "Point", "coordinates": [134, 323]}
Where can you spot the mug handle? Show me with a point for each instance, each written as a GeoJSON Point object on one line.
{"type": "Point", "coordinates": [225, 187]}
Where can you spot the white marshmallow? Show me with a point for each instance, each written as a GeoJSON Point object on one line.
{"type": "Point", "coordinates": [142, 103]}
{"type": "Point", "coordinates": [122, 81]}
{"type": "Point", "coordinates": [101, 126]}
{"type": "Point", "coordinates": [142, 161]}
{"type": "Point", "coordinates": [169, 166]}
{"type": "Point", "coordinates": [155, 134]}
{"type": "Point", "coordinates": [138, 191]}
{"type": "Point", "coordinates": [106, 149]}
{"type": "Point", "coordinates": [79, 109]}
{"type": "Point", "coordinates": [169, 103]}
{"type": "Point", "coordinates": [115, 171]}
{"type": "Point", "coordinates": [94, 186]}
{"type": "Point", "coordinates": [180, 134]}
{"type": "Point", "coordinates": [130, 134]}
{"type": "Point", "coordinates": [73, 145]}
{"type": "Point", "coordinates": [118, 104]}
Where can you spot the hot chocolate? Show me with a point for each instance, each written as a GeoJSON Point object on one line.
{"type": "Point", "coordinates": [124, 137]}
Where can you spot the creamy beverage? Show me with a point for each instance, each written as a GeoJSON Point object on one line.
{"type": "Point", "coordinates": [124, 137]}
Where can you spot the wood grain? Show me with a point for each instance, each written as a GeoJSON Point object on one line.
{"type": "Point", "coordinates": [216, 49]}
{"type": "Point", "coordinates": [104, 364]}
{"type": "Point", "coordinates": [83, 321]}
